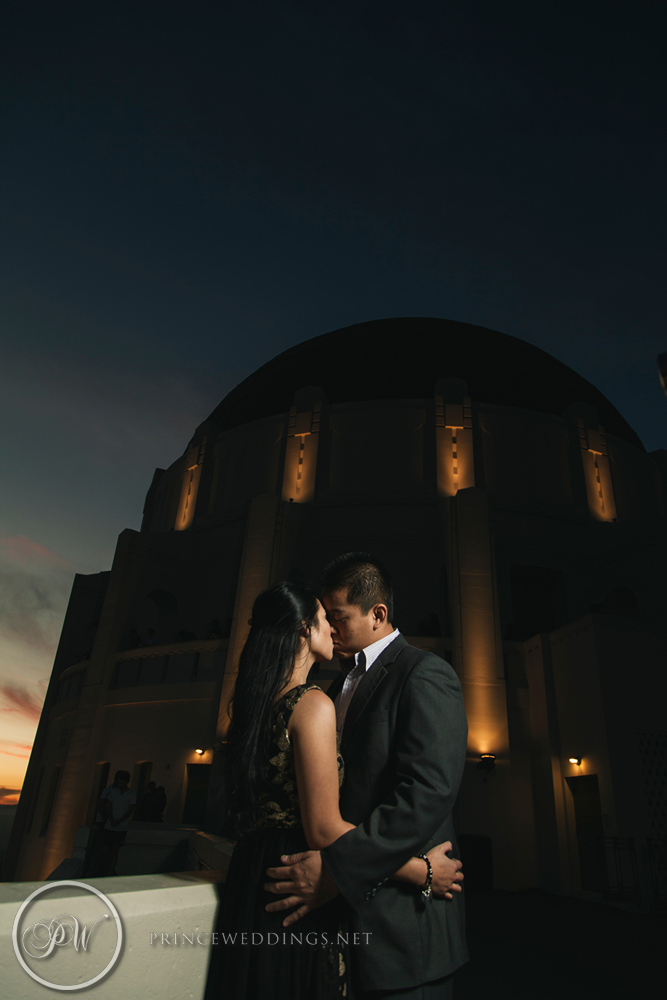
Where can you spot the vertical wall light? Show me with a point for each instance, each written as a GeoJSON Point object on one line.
{"type": "Point", "coordinates": [302, 444]}
{"type": "Point", "coordinates": [453, 431]}
{"type": "Point", "coordinates": [597, 473]}
{"type": "Point", "coordinates": [194, 460]}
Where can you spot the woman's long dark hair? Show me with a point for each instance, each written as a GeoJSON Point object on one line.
{"type": "Point", "coordinates": [265, 666]}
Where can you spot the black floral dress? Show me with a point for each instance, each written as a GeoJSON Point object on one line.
{"type": "Point", "coordinates": [257, 956]}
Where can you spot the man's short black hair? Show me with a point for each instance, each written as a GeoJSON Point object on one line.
{"type": "Point", "coordinates": [365, 579]}
{"type": "Point", "coordinates": [122, 776]}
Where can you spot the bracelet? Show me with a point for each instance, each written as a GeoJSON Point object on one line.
{"type": "Point", "coordinates": [427, 889]}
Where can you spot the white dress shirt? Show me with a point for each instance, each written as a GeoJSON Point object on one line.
{"type": "Point", "coordinates": [362, 662]}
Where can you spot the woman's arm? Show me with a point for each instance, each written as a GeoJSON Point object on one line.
{"type": "Point", "coordinates": [312, 731]}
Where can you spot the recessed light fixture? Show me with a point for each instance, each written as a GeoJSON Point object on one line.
{"type": "Point", "coordinates": [487, 763]}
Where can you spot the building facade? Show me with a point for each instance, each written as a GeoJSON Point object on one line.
{"type": "Point", "coordinates": [524, 524]}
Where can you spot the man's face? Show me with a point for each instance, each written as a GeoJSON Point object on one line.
{"type": "Point", "coordinates": [351, 629]}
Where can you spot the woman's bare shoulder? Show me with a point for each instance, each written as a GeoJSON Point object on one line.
{"type": "Point", "coordinates": [314, 707]}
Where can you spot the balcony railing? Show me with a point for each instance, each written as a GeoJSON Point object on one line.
{"type": "Point", "coordinates": [168, 919]}
{"type": "Point", "coordinates": [167, 925]}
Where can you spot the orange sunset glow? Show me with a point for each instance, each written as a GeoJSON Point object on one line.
{"type": "Point", "coordinates": [34, 583]}
{"type": "Point", "coordinates": [15, 747]}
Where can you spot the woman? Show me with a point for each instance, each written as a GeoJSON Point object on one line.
{"type": "Point", "coordinates": [282, 779]}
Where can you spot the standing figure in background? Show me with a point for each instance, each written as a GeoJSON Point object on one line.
{"type": "Point", "coordinates": [118, 806]}
{"type": "Point", "coordinates": [157, 815]}
{"type": "Point", "coordinates": [145, 811]}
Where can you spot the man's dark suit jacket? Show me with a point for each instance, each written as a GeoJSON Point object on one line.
{"type": "Point", "coordinates": [404, 747]}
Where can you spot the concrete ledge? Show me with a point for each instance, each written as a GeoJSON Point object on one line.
{"type": "Point", "coordinates": [155, 962]}
{"type": "Point", "coordinates": [150, 848]}
{"type": "Point", "coordinates": [206, 851]}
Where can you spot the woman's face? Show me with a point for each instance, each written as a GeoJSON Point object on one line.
{"type": "Point", "coordinates": [321, 643]}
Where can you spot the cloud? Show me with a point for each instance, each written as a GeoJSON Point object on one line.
{"type": "Point", "coordinates": [21, 750]}
{"type": "Point", "coordinates": [34, 586]}
{"type": "Point", "coordinates": [25, 552]}
{"type": "Point", "coordinates": [9, 796]}
{"type": "Point", "coordinates": [22, 701]}
{"type": "Point", "coordinates": [15, 745]}
{"type": "Point", "coordinates": [100, 408]}
{"type": "Point", "coordinates": [32, 607]}
{"type": "Point", "coordinates": [13, 748]}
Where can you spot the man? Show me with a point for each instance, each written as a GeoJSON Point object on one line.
{"type": "Point", "coordinates": [404, 733]}
{"type": "Point", "coordinates": [117, 805]}
{"type": "Point", "coordinates": [145, 811]}
{"type": "Point", "coordinates": [93, 860]}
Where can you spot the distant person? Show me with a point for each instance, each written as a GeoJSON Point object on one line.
{"type": "Point", "coordinates": [134, 639]}
{"type": "Point", "coordinates": [215, 630]}
{"type": "Point", "coordinates": [118, 806]}
{"type": "Point", "coordinates": [92, 865]}
{"type": "Point", "coordinates": [160, 805]}
{"type": "Point", "coordinates": [183, 635]}
{"type": "Point", "coordinates": [146, 809]}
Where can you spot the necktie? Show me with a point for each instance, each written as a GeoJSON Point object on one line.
{"type": "Point", "coordinates": [349, 687]}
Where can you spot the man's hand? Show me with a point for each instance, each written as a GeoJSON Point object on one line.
{"type": "Point", "coordinates": [304, 881]}
{"type": "Point", "coordinates": [447, 874]}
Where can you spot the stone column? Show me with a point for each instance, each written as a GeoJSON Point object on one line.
{"type": "Point", "coordinates": [478, 644]}
{"type": "Point", "coordinates": [72, 799]}
{"type": "Point", "coordinates": [486, 803]}
{"type": "Point", "coordinates": [254, 576]}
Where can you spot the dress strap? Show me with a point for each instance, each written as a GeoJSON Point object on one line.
{"type": "Point", "coordinates": [293, 697]}
{"type": "Point", "coordinates": [286, 705]}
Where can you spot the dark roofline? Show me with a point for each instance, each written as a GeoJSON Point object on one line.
{"type": "Point", "coordinates": [402, 358]}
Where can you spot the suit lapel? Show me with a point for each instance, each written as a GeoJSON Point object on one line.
{"type": "Point", "coordinates": [368, 685]}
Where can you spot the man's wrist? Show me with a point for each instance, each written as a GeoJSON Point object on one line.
{"type": "Point", "coordinates": [427, 888]}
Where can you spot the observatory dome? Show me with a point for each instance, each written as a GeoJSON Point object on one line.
{"type": "Point", "coordinates": [402, 358]}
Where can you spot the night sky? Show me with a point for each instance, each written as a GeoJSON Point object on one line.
{"type": "Point", "coordinates": [191, 188]}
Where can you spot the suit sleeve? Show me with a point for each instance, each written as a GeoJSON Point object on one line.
{"type": "Point", "coordinates": [429, 753]}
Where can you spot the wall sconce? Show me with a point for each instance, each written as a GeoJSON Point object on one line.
{"type": "Point", "coordinates": [575, 760]}
{"type": "Point", "coordinates": [199, 751]}
{"type": "Point", "coordinates": [487, 764]}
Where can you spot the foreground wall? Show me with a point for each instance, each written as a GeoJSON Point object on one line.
{"type": "Point", "coordinates": [149, 906]}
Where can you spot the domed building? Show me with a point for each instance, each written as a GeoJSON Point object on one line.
{"type": "Point", "coordinates": [524, 524]}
